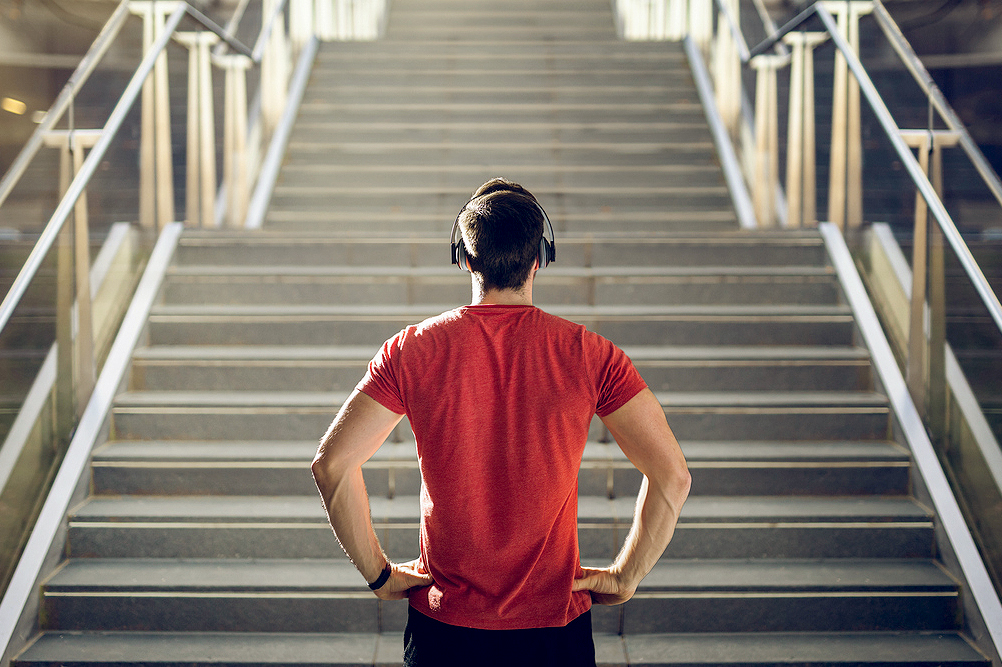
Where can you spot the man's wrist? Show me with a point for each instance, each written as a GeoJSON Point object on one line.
{"type": "Point", "coordinates": [382, 578]}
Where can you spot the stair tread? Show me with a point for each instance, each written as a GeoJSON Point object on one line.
{"type": "Point", "coordinates": [180, 398]}
{"type": "Point", "coordinates": [276, 271]}
{"type": "Point", "coordinates": [889, 648]}
{"type": "Point", "coordinates": [397, 311]}
{"type": "Point", "coordinates": [736, 576]}
{"type": "Point", "coordinates": [699, 509]}
{"type": "Point", "coordinates": [365, 353]}
{"type": "Point", "coordinates": [236, 453]}
{"type": "Point", "coordinates": [793, 238]}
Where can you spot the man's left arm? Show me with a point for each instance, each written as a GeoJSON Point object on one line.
{"type": "Point", "coordinates": [353, 437]}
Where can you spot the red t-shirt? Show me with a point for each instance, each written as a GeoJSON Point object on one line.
{"type": "Point", "coordinates": [500, 399]}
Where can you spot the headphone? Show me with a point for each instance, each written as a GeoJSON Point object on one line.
{"type": "Point", "coordinates": [547, 246]}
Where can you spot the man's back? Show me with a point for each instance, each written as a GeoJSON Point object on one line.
{"type": "Point", "coordinates": [500, 399]}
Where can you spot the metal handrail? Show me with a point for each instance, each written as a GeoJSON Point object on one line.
{"type": "Point", "coordinates": [921, 181]}
{"type": "Point", "coordinates": [915, 171]}
{"type": "Point", "coordinates": [58, 219]}
{"type": "Point", "coordinates": [926, 83]}
{"type": "Point", "coordinates": [83, 71]}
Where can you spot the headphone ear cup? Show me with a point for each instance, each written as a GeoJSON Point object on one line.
{"type": "Point", "coordinates": [544, 253]}
{"type": "Point", "coordinates": [464, 264]}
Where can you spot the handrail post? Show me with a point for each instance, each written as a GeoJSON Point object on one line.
{"type": "Point", "coordinates": [727, 74]}
{"type": "Point", "coordinates": [74, 320]}
{"type": "Point", "coordinates": [235, 162]}
{"type": "Point", "coordinates": [854, 138]}
{"type": "Point", "coordinates": [85, 372]}
{"type": "Point", "coordinates": [275, 68]}
{"type": "Point", "coordinates": [200, 192]}
{"type": "Point", "coordinates": [845, 201]}
{"type": "Point", "coordinates": [766, 138]}
{"type": "Point", "coordinates": [677, 20]}
{"type": "Point", "coordinates": [326, 24]}
{"type": "Point", "coordinates": [701, 23]}
{"type": "Point", "coordinates": [156, 190]}
{"type": "Point", "coordinates": [300, 22]}
{"type": "Point", "coordinates": [926, 366]}
{"type": "Point", "coordinates": [915, 375]}
{"type": "Point", "coordinates": [801, 188]}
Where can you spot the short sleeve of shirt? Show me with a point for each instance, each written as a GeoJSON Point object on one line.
{"type": "Point", "coordinates": [620, 381]}
{"type": "Point", "coordinates": [380, 380]}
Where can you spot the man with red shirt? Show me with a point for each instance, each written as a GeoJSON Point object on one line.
{"type": "Point", "coordinates": [500, 397]}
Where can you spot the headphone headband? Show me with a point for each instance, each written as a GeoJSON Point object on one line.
{"type": "Point", "coordinates": [547, 246]}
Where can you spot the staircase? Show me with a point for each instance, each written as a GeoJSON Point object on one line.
{"type": "Point", "coordinates": [204, 540]}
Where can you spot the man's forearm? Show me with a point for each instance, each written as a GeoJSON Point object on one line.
{"type": "Point", "coordinates": [654, 520]}
{"type": "Point", "coordinates": [347, 504]}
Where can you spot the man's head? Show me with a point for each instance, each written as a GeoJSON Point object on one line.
{"type": "Point", "coordinates": [501, 228]}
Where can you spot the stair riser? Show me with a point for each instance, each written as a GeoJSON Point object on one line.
{"type": "Point", "coordinates": [354, 111]}
{"type": "Point", "coordinates": [982, 372]}
{"type": "Point", "coordinates": [323, 330]}
{"type": "Point", "coordinates": [660, 376]}
{"type": "Point", "coordinates": [979, 333]}
{"type": "Point", "coordinates": [311, 423]}
{"type": "Point", "coordinates": [18, 374]}
{"type": "Point", "coordinates": [438, 57]}
{"type": "Point", "coordinates": [28, 332]}
{"type": "Point", "coordinates": [543, 183]}
{"type": "Point", "coordinates": [570, 252]}
{"type": "Point", "coordinates": [552, 78]}
{"type": "Point", "coordinates": [547, 289]}
{"type": "Point", "coordinates": [403, 480]}
{"type": "Point", "coordinates": [374, 222]}
{"type": "Point", "coordinates": [435, 154]}
{"type": "Point", "coordinates": [501, 33]}
{"type": "Point", "coordinates": [526, 91]}
{"type": "Point", "coordinates": [799, 614]}
{"type": "Point", "coordinates": [641, 615]}
{"type": "Point", "coordinates": [401, 542]}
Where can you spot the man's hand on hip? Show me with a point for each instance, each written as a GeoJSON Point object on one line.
{"type": "Point", "coordinates": [403, 577]}
{"type": "Point", "coordinates": [604, 585]}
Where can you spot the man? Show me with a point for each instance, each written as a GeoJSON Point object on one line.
{"type": "Point", "coordinates": [500, 396]}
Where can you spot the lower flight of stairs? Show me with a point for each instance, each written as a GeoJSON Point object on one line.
{"type": "Point", "coordinates": [204, 540]}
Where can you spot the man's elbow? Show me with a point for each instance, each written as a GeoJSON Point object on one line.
{"type": "Point", "coordinates": [326, 472]}
{"type": "Point", "coordinates": [674, 483]}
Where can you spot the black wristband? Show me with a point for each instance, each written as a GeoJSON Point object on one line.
{"type": "Point", "coordinates": [381, 579]}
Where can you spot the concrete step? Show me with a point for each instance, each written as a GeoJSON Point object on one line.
{"type": "Point", "coordinates": [431, 248]}
{"type": "Point", "coordinates": [397, 222]}
{"type": "Point", "coordinates": [208, 649]}
{"type": "Point", "coordinates": [18, 368]}
{"type": "Point", "coordinates": [336, 132]}
{"type": "Point", "coordinates": [455, 53]}
{"type": "Point", "coordinates": [296, 527]}
{"type": "Point", "coordinates": [280, 467]}
{"type": "Point", "coordinates": [459, 52]}
{"type": "Point", "coordinates": [304, 595]}
{"type": "Point", "coordinates": [348, 110]}
{"type": "Point", "coordinates": [624, 325]}
{"type": "Point", "coordinates": [461, 178]}
{"type": "Point", "coordinates": [686, 368]}
{"type": "Point", "coordinates": [294, 198]}
{"type": "Point", "coordinates": [540, 75]}
{"type": "Point", "coordinates": [250, 415]}
{"type": "Point", "coordinates": [30, 328]}
{"type": "Point", "coordinates": [512, 33]}
{"type": "Point", "coordinates": [557, 285]}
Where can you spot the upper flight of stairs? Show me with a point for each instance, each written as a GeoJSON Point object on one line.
{"type": "Point", "coordinates": [204, 540]}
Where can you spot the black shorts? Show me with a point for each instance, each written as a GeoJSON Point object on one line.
{"type": "Point", "coordinates": [431, 643]}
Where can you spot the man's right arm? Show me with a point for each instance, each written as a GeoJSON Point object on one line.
{"type": "Point", "coordinates": [642, 432]}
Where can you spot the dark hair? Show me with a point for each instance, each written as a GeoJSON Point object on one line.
{"type": "Point", "coordinates": [502, 226]}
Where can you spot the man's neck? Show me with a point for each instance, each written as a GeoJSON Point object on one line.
{"type": "Point", "coordinates": [502, 297]}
